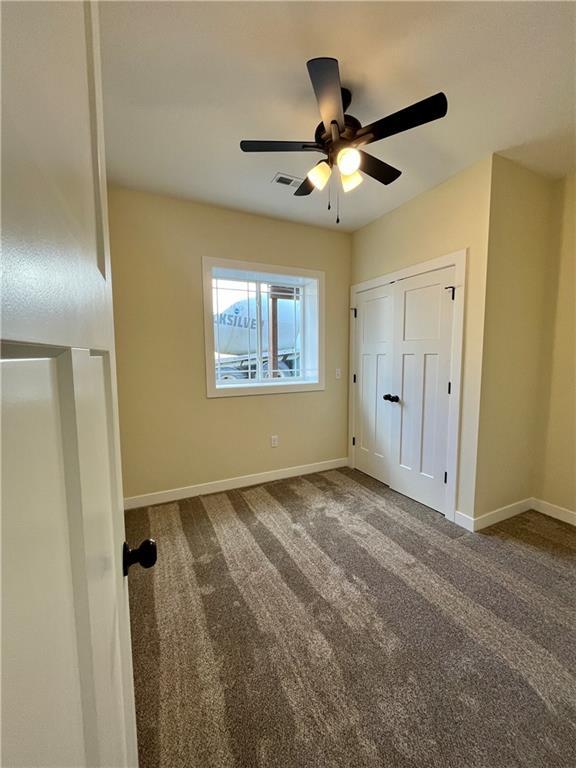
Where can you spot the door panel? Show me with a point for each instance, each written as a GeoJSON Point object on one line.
{"type": "Point", "coordinates": [382, 425]}
{"type": "Point", "coordinates": [408, 414]}
{"type": "Point", "coordinates": [421, 313]}
{"type": "Point", "coordinates": [39, 643]}
{"type": "Point", "coordinates": [367, 416]}
{"type": "Point", "coordinates": [429, 404]}
{"type": "Point", "coordinates": [51, 264]}
{"type": "Point", "coordinates": [376, 318]}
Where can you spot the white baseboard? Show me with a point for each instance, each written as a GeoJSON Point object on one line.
{"type": "Point", "coordinates": [217, 486]}
{"type": "Point", "coordinates": [553, 510]}
{"type": "Point", "coordinates": [495, 516]}
{"type": "Point", "coordinates": [503, 513]}
{"type": "Point", "coordinates": [464, 521]}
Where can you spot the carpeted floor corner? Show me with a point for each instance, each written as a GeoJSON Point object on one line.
{"type": "Point", "coordinates": [328, 622]}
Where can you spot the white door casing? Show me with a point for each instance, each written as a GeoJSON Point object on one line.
{"type": "Point", "coordinates": [409, 445]}
{"type": "Point", "coordinates": [67, 691]}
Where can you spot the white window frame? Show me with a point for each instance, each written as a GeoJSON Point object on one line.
{"type": "Point", "coordinates": [279, 386]}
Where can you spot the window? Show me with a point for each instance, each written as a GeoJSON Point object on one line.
{"type": "Point", "coordinates": [262, 327]}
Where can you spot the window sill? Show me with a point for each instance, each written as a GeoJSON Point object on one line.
{"type": "Point", "coordinates": [243, 390]}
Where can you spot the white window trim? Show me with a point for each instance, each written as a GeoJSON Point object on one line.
{"type": "Point", "coordinates": [272, 388]}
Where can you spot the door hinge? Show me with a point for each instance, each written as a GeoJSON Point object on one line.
{"type": "Point", "coordinates": [451, 288]}
{"type": "Point", "coordinates": [354, 379]}
{"type": "Point", "coordinates": [353, 441]}
{"type": "Point", "coordinates": [445, 477]}
{"type": "Point", "coordinates": [355, 311]}
{"type": "Point", "coordinates": [449, 387]}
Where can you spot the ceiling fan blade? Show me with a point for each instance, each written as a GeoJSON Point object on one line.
{"type": "Point", "coordinates": [432, 108]}
{"type": "Point", "coordinates": [280, 146]}
{"type": "Point", "coordinates": [325, 77]}
{"type": "Point", "coordinates": [346, 98]}
{"type": "Point", "coordinates": [305, 188]}
{"type": "Point", "coordinates": [378, 169]}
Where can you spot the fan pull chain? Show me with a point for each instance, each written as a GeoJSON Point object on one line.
{"type": "Point", "coordinates": [337, 206]}
{"type": "Point", "coordinates": [329, 188]}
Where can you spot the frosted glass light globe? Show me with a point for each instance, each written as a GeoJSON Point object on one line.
{"type": "Point", "coordinates": [351, 181]}
{"type": "Point", "coordinates": [348, 161]}
{"type": "Point", "coordinates": [320, 174]}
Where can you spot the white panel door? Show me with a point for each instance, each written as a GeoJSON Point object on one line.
{"type": "Point", "coordinates": [375, 318]}
{"type": "Point", "coordinates": [423, 315]}
{"type": "Point", "coordinates": [401, 396]}
{"type": "Point", "coordinates": [67, 690]}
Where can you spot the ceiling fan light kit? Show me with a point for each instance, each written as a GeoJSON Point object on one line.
{"type": "Point", "coordinates": [350, 180]}
{"type": "Point", "coordinates": [339, 136]}
{"type": "Point", "coordinates": [348, 160]}
{"type": "Point", "coordinates": [319, 175]}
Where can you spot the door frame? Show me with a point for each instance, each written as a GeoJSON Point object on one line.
{"type": "Point", "coordinates": [458, 261]}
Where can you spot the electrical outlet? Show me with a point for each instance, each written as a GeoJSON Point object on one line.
{"type": "Point", "coordinates": [274, 442]}
{"type": "Point", "coordinates": [338, 373]}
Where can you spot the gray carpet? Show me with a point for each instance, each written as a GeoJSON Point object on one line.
{"type": "Point", "coordinates": [327, 621]}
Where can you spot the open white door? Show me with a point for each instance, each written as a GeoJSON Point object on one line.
{"type": "Point", "coordinates": [67, 691]}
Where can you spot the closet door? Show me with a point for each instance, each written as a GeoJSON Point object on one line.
{"type": "Point", "coordinates": [423, 319]}
{"type": "Point", "coordinates": [373, 419]}
{"type": "Point", "coordinates": [401, 395]}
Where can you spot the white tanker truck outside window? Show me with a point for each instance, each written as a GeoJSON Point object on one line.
{"type": "Point", "coordinates": [265, 328]}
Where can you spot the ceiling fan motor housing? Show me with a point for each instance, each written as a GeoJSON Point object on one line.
{"type": "Point", "coordinates": [351, 125]}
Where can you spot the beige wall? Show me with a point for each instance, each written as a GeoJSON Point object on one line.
{"type": "Point", "coordinates": [448, 218]}
{"type": "Point", "coordinates": [520, 296]}
{"type": "Point", "coordinates": [519, 392]}
{"type": "Point", "coordinates": [172, 435]}
{"type": "Point", "coordinates": [556, 480]}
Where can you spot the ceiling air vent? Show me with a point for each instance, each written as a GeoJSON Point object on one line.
{"type": "Point", "coordinates": [285, 180]}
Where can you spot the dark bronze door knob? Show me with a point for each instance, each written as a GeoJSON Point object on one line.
{"type": "Point", "coordinates": [146, 554]}
{"type": "Point", "coordinates": [392, 398]}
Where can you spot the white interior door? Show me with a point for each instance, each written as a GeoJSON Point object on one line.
{"type": "Point", "coordinates": [67, 694]}
{"type": "Point", "coordinates": [375, 321]}
{"type": "Point", "coordinates": [423, 314]}
{"type": "Point", "coordinates": [403, 363]}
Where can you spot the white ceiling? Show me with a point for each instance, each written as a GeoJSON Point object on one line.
{"type": "Point", "coordinates": [185, 81]}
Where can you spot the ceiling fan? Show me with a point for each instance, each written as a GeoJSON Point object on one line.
{"type": "Point", "coordinates": [340, 135]}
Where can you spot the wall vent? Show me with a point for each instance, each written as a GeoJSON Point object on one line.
{"type": "Point", "coordinates": [286, 180]}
